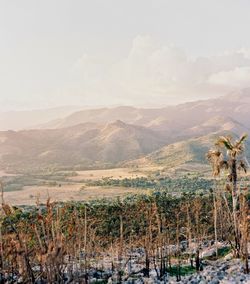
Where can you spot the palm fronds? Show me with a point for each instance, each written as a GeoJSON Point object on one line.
{"type": "Point", "coordinates": [224, 165]}
{"type": "Point", "coordinates": [213, 155]}
{"type": "Point", "coordinates": [241, 140]}
{"type": "Point", "coordinates": [224, 141]}
{"type": "Point", "coordinates": [242, 166]}
{"type": "Point", "coordinates": [215, 158]}
{"type": "Point", "coordinates": [233, 148]}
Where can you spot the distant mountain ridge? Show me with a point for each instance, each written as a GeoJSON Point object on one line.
{"type": "Point", "coordinates": [174, 136]}
{"type": "Point", "coordinates": [186, 115]}
{"type": "Point", "coordinates": [187, 154]}
{"type": "Point", "coordinates": [84, 144]}
{"type": "Point", "coordinates": [17, 120]}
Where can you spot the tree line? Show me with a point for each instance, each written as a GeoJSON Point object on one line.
{"type": "Point", "coordinates": [49, 243]}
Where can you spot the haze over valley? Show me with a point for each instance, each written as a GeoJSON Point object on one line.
{"type": "Point", "coordinates": [115, 136]}
{"type": "Point", "coordinates": [124, 142]}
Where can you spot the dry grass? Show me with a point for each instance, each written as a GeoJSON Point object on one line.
{"type": "Point", "coordinates": [67, 192]}
{"type": "Point", "coordinates": [4, 174]}
{"type": "Point", "coordinates": [118, 173]}
{"type": "Point", "coordinates": [75, 189]}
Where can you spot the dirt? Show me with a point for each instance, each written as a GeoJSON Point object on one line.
{"type": "Point", "coordinates": [118, 173]}
{"type": "Point", "coordinates": [71, 192]}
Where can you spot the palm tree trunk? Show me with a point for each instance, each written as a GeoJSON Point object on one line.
{"type": "Point", "coordinates": [234, 200]}
{"type": "Point", "coordinates": [215, 223]}
{"type": "Point", "coordinates": [244, 231]}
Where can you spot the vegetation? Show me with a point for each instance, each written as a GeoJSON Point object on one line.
{"type": "Point", "coordinates": [167, 233]}
{"type": "Point", "coordinates": [183, 271]}
{"type": "Point", "coordinates": [159, 231]}
{"type": "Point", "coordinates": [163, 183]}
{"type": "Point", "coordinates": [233, 165]}
{"type": "Point", "coordinates": [50, 178]}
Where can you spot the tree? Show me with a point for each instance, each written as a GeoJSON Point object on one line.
{"type": "Point", "coordinates": [232, 164]}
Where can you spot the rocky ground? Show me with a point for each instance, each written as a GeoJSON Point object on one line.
{"type": "Point", "coordinates": [222, 271]}
{"type": "Point", "coordinates": [215, 272]}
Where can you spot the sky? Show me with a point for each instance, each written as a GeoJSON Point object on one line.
{"type": "Point", "coordinates": [121, 52]}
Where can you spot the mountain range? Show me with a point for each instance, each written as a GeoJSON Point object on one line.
{"type": "Point", "coordinates": [169, 136]}
{"type": "Point", "coordinates": [18, 120]}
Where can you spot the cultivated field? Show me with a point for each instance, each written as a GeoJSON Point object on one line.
{"type": "Point", "coordinates": [118, 173]}
{"type": "Point", "coordinates": [3, 173]}
{"type": "Point", "coordinates": [66, 192]}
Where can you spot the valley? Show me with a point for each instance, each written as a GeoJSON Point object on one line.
{"type": "Point", "coordinates": [116, 137]}
{"type": "Point", "coordinates": [124, 142]}
{"type": "Point", "coordinates": [84, 155]}
{"type": "Point", "coordinates": [127, 194]}
{"type": "Point", "coordinates": [30, 188]}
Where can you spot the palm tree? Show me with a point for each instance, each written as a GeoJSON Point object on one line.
{"type": "Point", "coordinates": [233, 164]}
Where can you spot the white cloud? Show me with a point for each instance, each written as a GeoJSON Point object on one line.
{"type": "Point", "coordinates": [157, 73]}
{"type": "Point", "coordinates": [238, 78]}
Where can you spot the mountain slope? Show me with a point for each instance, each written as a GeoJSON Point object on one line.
{"type": "Point", "coordinates": [216, 124]}
{"type": "Point", "coordinates": [188, 154]}
{"type": "Point", "coordinates": [85, 144]}
{"type": "Point", "coordinates": [127, 114]}
{"type": "Point", "coordinates": [91, 138]}
{"type": "Point", "coordinates": [17, 120]}
{"type": "Point", "coordinates": [171, 119]}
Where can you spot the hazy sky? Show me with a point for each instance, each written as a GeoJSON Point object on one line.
{"type": "Point", "coordinates": [100, 52]}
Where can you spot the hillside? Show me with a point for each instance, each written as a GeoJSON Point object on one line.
{"type": "Point", "coordinates": [187, 155]}
{"type": "Point", "coordinates": [171, 119]}
{"type": "Point", "coordinates": [188, 151]}
{"type": "Point", "coordinates": [93, 145]}
{"type": "Point", "coordinates": [83, 145]}
{"type": "Point", "coordinates": [216, 124]}
{"type": "Point", "coordinates": [131, 115]}
{"type": "Point", "coordinates": [113, 136]}
{"type": "Point", "coordinates": [17, 120]}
